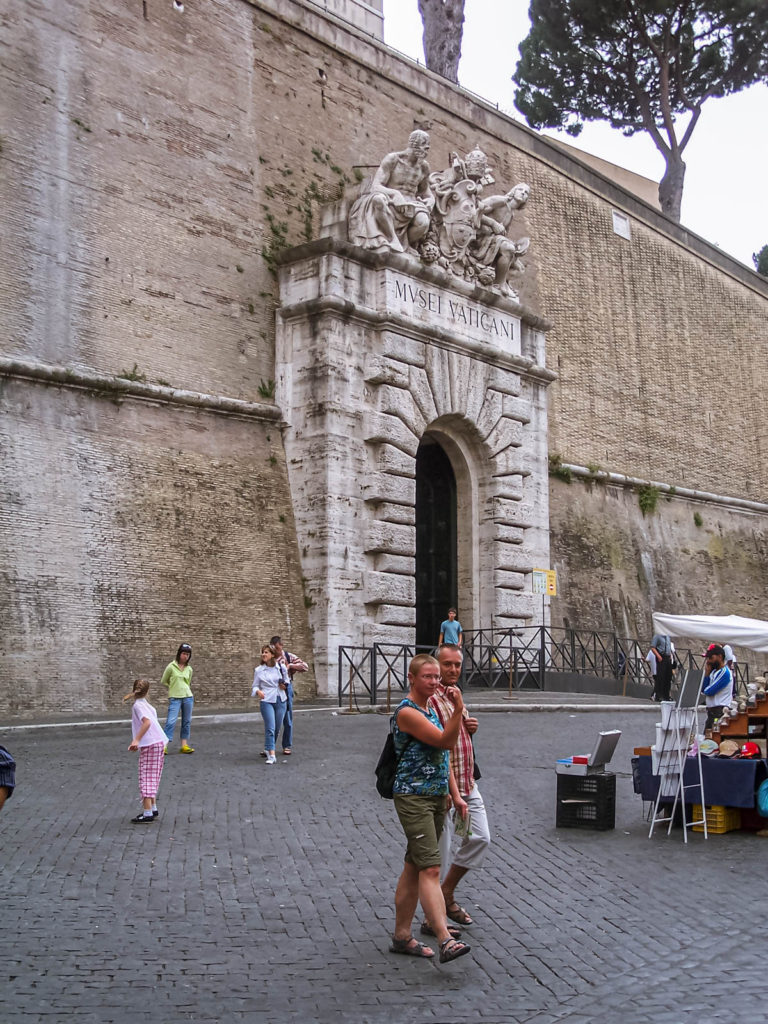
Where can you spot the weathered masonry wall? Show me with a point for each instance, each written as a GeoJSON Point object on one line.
{"type": "Point", "coordinates": [128, 525]}
{"type": "Point", "coordinates": [128, 193]}
{"type": "Point", "coordinates": [638, 325]}
{"type": "Point", "coordinates": [153, 165]}
{"type": "Point", "coordinates": [616, 565]}
{"type": "Point", "coordinates": [151, 161]}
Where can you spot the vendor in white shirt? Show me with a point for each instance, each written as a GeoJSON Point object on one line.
{"type": "Point", "coordinates": [717, 685]}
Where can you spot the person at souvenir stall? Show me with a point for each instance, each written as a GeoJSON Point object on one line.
{"type": "Point", "coordinates": [717, 685]}
{"type": "Point", "coordinates": [662, 652]}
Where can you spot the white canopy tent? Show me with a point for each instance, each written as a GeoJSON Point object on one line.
{"type": "Point", "coordinates": [723, 629]}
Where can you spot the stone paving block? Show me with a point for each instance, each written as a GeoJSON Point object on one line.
{"type": "Point", "coordinates": [282, 881]}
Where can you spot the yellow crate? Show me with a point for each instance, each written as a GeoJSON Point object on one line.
{"type": "Point", "coordinates": [719, 819]}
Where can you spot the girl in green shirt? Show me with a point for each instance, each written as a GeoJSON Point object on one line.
{"type": "Point", "coordinates": [177, 677]}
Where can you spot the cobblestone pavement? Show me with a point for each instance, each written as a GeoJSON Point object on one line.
{"type": "Point", "coordinates": [264, 894]}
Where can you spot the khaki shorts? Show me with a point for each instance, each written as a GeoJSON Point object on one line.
{"type": "Point", "coordinates": [422, 820]}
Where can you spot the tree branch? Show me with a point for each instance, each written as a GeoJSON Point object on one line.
{"type": "Point", "coordinates": [638, 21]}
{"type": "Point", "coordinates": [695, 115]}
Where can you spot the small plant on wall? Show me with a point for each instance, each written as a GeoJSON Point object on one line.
{"type": "Point", "coordinates": [697, 519]}
{"type": "Point", "coordinates": [133, 374]}
{"type": "Point", "coordinates": [557, 469]}
{"type": "Point", "coordinates": [648, 499]}
{"type": "Point", "coordinates": [267, 388]}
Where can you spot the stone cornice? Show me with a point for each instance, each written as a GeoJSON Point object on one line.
{"type": "Point", "coordinates": [415, 268]}
{"type": "Point", "coordinates": [122, 388]}
{"type": "Point", "coordinates": [668, 490]}
{"type": "Point", "coordinates": [346, 310]}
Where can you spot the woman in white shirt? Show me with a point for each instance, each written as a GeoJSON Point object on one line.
{"type": "Point", "coordinates": [270, 684]}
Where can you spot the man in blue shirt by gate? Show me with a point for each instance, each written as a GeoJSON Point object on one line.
{"type": "Point", "coordinates": [451, 631]}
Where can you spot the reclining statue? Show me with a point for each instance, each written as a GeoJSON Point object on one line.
{"type": "Point", "coordinates": [491, 245]}
{"type": "Point", "coordinates": [394, 212]}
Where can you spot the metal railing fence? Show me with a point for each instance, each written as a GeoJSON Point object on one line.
{"type": "Point", "coordinates": [513, 659]}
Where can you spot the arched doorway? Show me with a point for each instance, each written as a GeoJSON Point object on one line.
{"type": "Point", "coordinates": [436, 550]}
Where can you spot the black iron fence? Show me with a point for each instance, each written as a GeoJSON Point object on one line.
{"type": "Point", "coordinates": [532, 658]}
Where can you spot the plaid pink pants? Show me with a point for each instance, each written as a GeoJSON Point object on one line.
{"type": "Point", "coordinates": [150, 769]}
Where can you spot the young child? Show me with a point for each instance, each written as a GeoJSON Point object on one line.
{"type": "Point", "coordinates": [149, 739]}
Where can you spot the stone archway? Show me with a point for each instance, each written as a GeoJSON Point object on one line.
{"type": "Point", "coordinates": [375, 356]}
{"type": "Point", "coordinates": [462, 445]}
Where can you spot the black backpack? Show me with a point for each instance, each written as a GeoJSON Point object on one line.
{"type": "Point", "coordinates": [386, 769]}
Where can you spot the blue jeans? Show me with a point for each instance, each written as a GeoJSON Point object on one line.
{"type": "Point", "coordinates": [287, 720]}
{"type": "Point", "coordinates": [273, 715]}
{"type": "Point", "coordinates": [174, 703]}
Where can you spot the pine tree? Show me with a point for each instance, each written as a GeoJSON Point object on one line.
{"type": "Point", "coordinates": [443, 22]}
{"type": "Point", "coordinates": [640, 65]}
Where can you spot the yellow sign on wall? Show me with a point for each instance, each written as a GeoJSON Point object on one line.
{"type": "Point", "coordinates": [545, 581]}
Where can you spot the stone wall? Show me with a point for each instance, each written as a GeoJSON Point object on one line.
{"type": "Point", "coordinates": [154, 163]}
{"type": "Point", "coordinates": [128, 193]}
{"type": "Point", "coordinates": [128, 526]}
{"type": "Point", "coordinates": [639, 325]}
{"type": "Point", "coordinates": [616, 566]}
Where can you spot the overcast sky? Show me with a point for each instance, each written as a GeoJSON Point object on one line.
{"type": "Point", "coordinates": [726, 184]}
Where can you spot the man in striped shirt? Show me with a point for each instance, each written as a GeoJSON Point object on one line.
{"type": "Point", "coordinates": [472, 849]}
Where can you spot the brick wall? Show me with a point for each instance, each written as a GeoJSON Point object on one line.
{"type": "Point", "coordinates": [137, 239]}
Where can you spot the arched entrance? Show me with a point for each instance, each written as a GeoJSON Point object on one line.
{"type": "Point", "coordinates": [436, 547]}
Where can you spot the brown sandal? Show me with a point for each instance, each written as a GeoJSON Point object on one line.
{"type": "Point", "coordinates": [457, 914]}
{"type": "Point", "coordinates": [452, 949]}
{"type": "Point", "coordinates": [411, 947]}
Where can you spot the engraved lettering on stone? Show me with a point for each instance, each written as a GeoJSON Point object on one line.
{"type": "Point", "coordinates": [457, 311]}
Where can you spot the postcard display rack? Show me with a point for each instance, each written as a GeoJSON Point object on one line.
{"type": "Point", "coordinates": [675, 735]}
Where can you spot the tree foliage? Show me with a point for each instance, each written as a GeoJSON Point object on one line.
{"type": "Point", "coordinates": [641, 65]}
{"type": "Point", "coordinates": [443, 22]}
{"type": "Point", "coordinates": [760, 259]}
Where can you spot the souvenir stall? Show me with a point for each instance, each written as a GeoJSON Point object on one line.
{"type": "Point", "coordinates": [722, 778]}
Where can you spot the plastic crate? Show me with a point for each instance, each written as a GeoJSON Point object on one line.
{"type": "Point", "coordinates": [719, 819]}
{"type": "Point", "coordinates": [586, 801]}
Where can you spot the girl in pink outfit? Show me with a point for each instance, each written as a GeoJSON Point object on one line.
{"type": "Point", "coordinates": [149, 739]}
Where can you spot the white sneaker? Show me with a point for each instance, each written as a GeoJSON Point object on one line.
{"type": "Point", "coordinates": [271, 759]}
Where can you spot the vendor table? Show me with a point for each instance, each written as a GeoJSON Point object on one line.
{"type": "Point", "coordinates": [728, 782]}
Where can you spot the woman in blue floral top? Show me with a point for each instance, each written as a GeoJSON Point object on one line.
{"type": "Point", "coordinates": [422, 783]}
{"type": "Point", "coordinates": [422, 770]}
